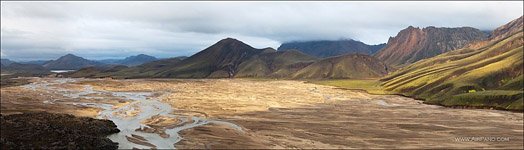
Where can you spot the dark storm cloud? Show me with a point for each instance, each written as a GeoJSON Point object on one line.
{"type": "Point", "coordinates": [46, 30]}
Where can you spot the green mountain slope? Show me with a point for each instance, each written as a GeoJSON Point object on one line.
{"type": "Point", "coordinates": [146, 70]}
{"type": "Point", "coordinates": [483, 74]}
{"type": "Point", "coordinates": [275, 64]}
{"type": "Point", "coordinates": [352, 66]}
{"type": "Point", "coordinates": [94, 72]}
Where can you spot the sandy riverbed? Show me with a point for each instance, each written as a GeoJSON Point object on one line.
{"type": "Point", "coordinates": [286, 114]}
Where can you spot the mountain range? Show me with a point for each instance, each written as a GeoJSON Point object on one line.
{"type": "Point", "coordinates": [220, 60]}
{"type": "Point", "coordinates": [36, 62]}
{"type": "Point", "coordinates": [146, 70]}
{"type": "Point", "coordinates": [352, 66]}
{"type": "Point", "coordinates": [11, 67]}
{"type": "Point", "coordinates": [131, 60]}
{"type": "Point", "coordinates": [232, 58]}
{"type": "Point", "coordinates": [447, 66]}
{"type": "Point", "coordinates": [310, 59]}
{"type": "Point", "coordinates": [351, 59]}
{"type": "Point", "coordinates": [325, 48]}
{"type": "Point", "coordinates": [486, 73]}
{"type": "Point", "coordinates": [71, 62]}
{"type": "Point", "coordinates": [274, 64]}
{"type": "Point", "coordinates": [23, 69]}
{"type": "Point", "coordinates": [5, 62]}
{"type": "Point", "coordinates": [414, 44]}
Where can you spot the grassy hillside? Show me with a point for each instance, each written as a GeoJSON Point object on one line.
{"type": "Point", "coordinates": [146, 70]}
{"type": "Point", "coordinates": [275, 64]}
{"type": "Point", "coordinates": [352, 66]}
{"type": "Point", "coordinates": [488, 74]}
{"type": "Point", "coordinates": [94, 72]}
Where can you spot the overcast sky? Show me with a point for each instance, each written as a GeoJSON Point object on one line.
{"type": "Point", "coordinates": [99, 30]}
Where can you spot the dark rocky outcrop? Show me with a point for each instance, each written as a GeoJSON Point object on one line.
{"type": "Point", "coordinates": [41, 130]}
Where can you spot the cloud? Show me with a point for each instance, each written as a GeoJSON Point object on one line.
{"type": "Point", "coordinates": [97, 30]}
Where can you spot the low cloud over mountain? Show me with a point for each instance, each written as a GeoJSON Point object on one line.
{"type": "Point", "coordinates": [114, 30]}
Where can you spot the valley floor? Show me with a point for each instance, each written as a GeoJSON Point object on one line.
{"type": "Point", "coordinates": [245, 113]}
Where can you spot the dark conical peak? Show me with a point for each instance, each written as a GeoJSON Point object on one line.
{"type": "Point", "coordinates": [229, 41]}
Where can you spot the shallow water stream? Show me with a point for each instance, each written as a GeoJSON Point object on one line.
{"type": "Point", "coordinates": [144, 104]}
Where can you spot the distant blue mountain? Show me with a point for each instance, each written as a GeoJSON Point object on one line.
{"type": "Point", "coordinates": [325, 48]}
{"type": "Point", "coordinates": [131, 60]}
{"type": "Point", "coordinates": [36, 62]}
{"type": "Point", "coordinates": [6, 62]}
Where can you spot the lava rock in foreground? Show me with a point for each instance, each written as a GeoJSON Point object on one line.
{"type": "Point", "coordinates": [42, 130]}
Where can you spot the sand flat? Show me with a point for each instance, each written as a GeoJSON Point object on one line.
{"type": "Point", "coordinates": [294, 114]}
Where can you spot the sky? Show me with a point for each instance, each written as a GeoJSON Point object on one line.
{"type": "Point", "coordinates": [104, 30]}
